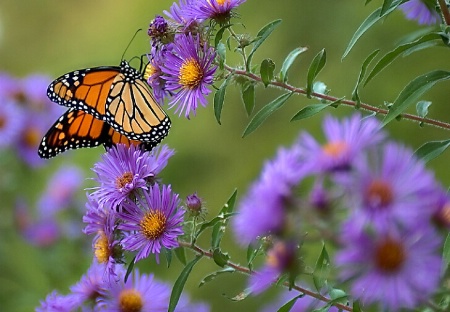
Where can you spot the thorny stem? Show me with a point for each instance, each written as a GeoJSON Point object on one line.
{"type": "Point", "coordinates": [247, 271]}
{"type": "Point", "coordinates": [445, 12]}
{"type": "Point", "coordinates": [364, 106]}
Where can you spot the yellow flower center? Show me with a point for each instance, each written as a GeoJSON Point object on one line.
{"type": "Point", "coordinates": [379, 193]}
{"type": "Point", "coordinates": [389, 255]}
{"type": "Point", "coordinates": [2, 121]}
{"type": "Point", "coordinates": [124, 179]}
{"type": "Point", "coordinates": [101, 247]}
{"type": "Point", "coordinates": [191, 73]}
{"type": "Point", "coordinates": [219, 2]}
{"type": "Point", "coordinates": [32, 137]}
{"type": "Point", "coordinates": [153, 224]}
{"type": "Point", "coordinates": [335, 149]}
{"type": "Point", "coordinates": [130, 300]}
{"type": "Point", "coordinates": [149, 71]}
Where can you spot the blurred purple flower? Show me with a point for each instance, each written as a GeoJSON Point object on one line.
{"type": "Point", "coordinates": [188, 71]}
{"type": "Point", "coordinates": [42, 233]}
{"type": "Point", "coordinates": [218, 10]}
{"type": "Point", "coordinates": [11, 124]}
{"type": "Point", "coordinates": [400, 269]}
{"type": "Point", "coordinates": [57, 303]}
{"type": "Point", "coordinates": [90, 286]}
{"type": "Point", "coordinates": [154, 222]}
{"type": "Point", "coordinates": [346, 139]}
{"type": "Point", "coordinates": [421, 10]}
{"type": "Point", "coordinates": [61, 190]}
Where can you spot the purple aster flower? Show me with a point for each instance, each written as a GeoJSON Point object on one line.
{"type": "Point", "coordinates": [57, 303]}
{"type": "Point", "coordinates": [11, 123]}
{"type": "Point", "coordinates": [139, 293]}
{"type": "Point", "coordinates": [91, 285]}
{"type": "Point", "coordinates": [195, 205]}
{"type": "Point", "coordinates": [124, 170]}
{"type": "Point", "coordinates": [188, 72]}
{"type": "Point", "coordinates": [153, 72]}
{"type": "Point", "coordinates": [390, 188]}
{"type": "Point", "coordinates": [61, 190]}
{"type": "Point", "coordinates": [107, 249]}
{"type": "Point", "coordinates": [42, 233]}
{"type": "Point", "coordinates": [421, 10]}
{"type": "Point", "coordinates": [441, 215]}
{"type": "Point", "coordinates": [30, 138]}
{"type": "Point", "coordinates": [178, 14]}
{"type": "Point", "coordinates": [154, 222]}
{"type": "Point", "coordinates": [281, 258]}
{"type": "Point", "coordinates": [400, 269]}
{"type": "Point", "coordinates": [96, 215]}
{"type": "Point", "coordinates": [218, 10]}
{"type": "Point", "coordinates": [345, 141]}
{"type": "Point", "coordinates": [267, 203]}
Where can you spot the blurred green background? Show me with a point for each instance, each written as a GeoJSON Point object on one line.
{"type": "Point", "coordinates": [55, 37]}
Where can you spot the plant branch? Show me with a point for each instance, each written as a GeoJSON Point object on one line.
{"type": "Point", "coordinates": [445, 12]}
{"type": "Point", "coordinates": [247, 271]}
{"type": "Point", "coordinates": [364, 106]}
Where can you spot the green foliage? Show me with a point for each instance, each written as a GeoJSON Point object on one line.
{"type": "Point", "coordinates": [180, 282]}
{"type": "Point", "coordinates": [315, 67]}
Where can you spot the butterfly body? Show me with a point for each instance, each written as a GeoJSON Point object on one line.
{"type": "Point", "coordinates": [107, 105]}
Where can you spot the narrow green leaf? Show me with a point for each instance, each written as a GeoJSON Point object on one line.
{"type": "Point", "coordinates": [219, 98]}
{"type": "Point", "coordinates": [168, 255]}
{"type": "Point", "coordinates": [357, 306]}
{"type": "Point", "coordinates": [431, 150]}
{"type": "Point", "coordinates": [248, 97]}
{"type": "Point", "coordinates": [446, 253]}
{"type": "Point", "coordinates": [212, 276]}
{"type": "Point", "coordinates": [374, 17]}
{"type": "Point", "coordinates": [389, 57]}
{"type": "Point", "coordinates": [289, 61]}
{"type": "Point", "coordinates": [362, 73]}
{"type": "Point", "coordinates": [309, 111]}
{"type": "Point", "coordinates": [266, 71]}
{"type": "Point", "coordinates": [180, 253]}
{"type": "Point", "coordinates": [413, 91]}
{"type": "Point", "coordinates": [179, 284]}
{"type": "Point", "coordinates": [322, 269]}
{"type": "Point", "coordinates": [129, 269]}
{"type": "Point", "coordinates": [260, 38]}
{"type": "Point", "coordinates": [219, 228]}
{"type": "Point", "coordinates": [219, 34]}
{"type": "Point", "coordinates": [265, 112]}
{"type": "Point", "coordinates": [288, 305]}
{"type": "Point", "coordinates": [386, 5]}
{"type": "Point", "coordinates": [314, 68]}
{"type": "Point", "coordinates": [222, 53]}
{"type": "Point", "coordinates": [422, 108]}
{"type": "Point", "coordinates": [252, 253]}
{"type": "Point", "coordinates": [220, 258]}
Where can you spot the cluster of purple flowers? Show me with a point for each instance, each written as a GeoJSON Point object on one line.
{"type": "Point", "coordinates": [370, 196]}
{"type": "Point", "coordinates": [141, 292]}
{"type": "Point", "coordinates": [181, 58]}
{"type": "Point", "coordinates": [25, 115]}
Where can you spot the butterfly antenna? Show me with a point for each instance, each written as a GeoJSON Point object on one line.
{"type": "Point", "coordinates": [129, 43]}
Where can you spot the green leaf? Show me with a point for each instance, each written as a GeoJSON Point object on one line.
{"type": "Point", "coordinates": [322, 269]}
{"type": "Point", "coordinates": [357, 306]}
{"type": "Point", "coordinates": [362, 73]}
{"type": "Point", "coordinates": [289, 61]}
{"type": "Point", "coordinates": [219, 34]}
{"type": "Point", "coordinates": [248, 97]}
{"type": "Point", "coordinates": [431, 150]}
{"type": "Point", "coordinates": [446, 253]}
{"type": "Point", "coordinates": [260, 38]}
{"type": "Point", "coordinates": [266, 71]}
{"type": "Point", "coordinates": [314, 68]}
{"type": "Point", "coordinates": [389, 57]}
{"type": "Point", "coordinates": [219, 98]}
{"type": "Point", "coordinates": [180, 253]}
{"type": "Point", "coordinates": [212, 276]}
{"type": "Point", "coordinates": [220, 258]}
{"type": "Point", "coordinates": [265, 112]}
{"type": "Point", "coordinates": [129, 269]}
{"type": "Point", "coordinates": [222, 53]}
{"type": "Point", "coordinates": [413, 91]}
{"type": "Point", "coordinates": [309, 111]}
{"type": "Point", "coordinates": [220, 226]}
{"type": "Point", "coordinates": [386, 5]}
{"type": "Point", "coordinates": [288, 305]}
{"type": "Point", "coordinates": [179, 284]}
{"type": "Point", "coordinates": [374, 17]}
{"type": "Point", "coordinates": [168, 255]}
{"type": "Point", "coordinates": [422, 108]}
{"type": "Point", "coordinates": [252, 253]}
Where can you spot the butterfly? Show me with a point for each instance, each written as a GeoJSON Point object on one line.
{"type": "Point", "coordinates": [107, 105]}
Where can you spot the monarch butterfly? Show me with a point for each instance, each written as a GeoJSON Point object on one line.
{"type": "Point", "coordinates": [108, 104]}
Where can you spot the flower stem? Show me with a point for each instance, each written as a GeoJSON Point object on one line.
{"type": "Point", "coordinates": [247, 271]}
{"type": "Point", "coordinates": [445, 12]}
